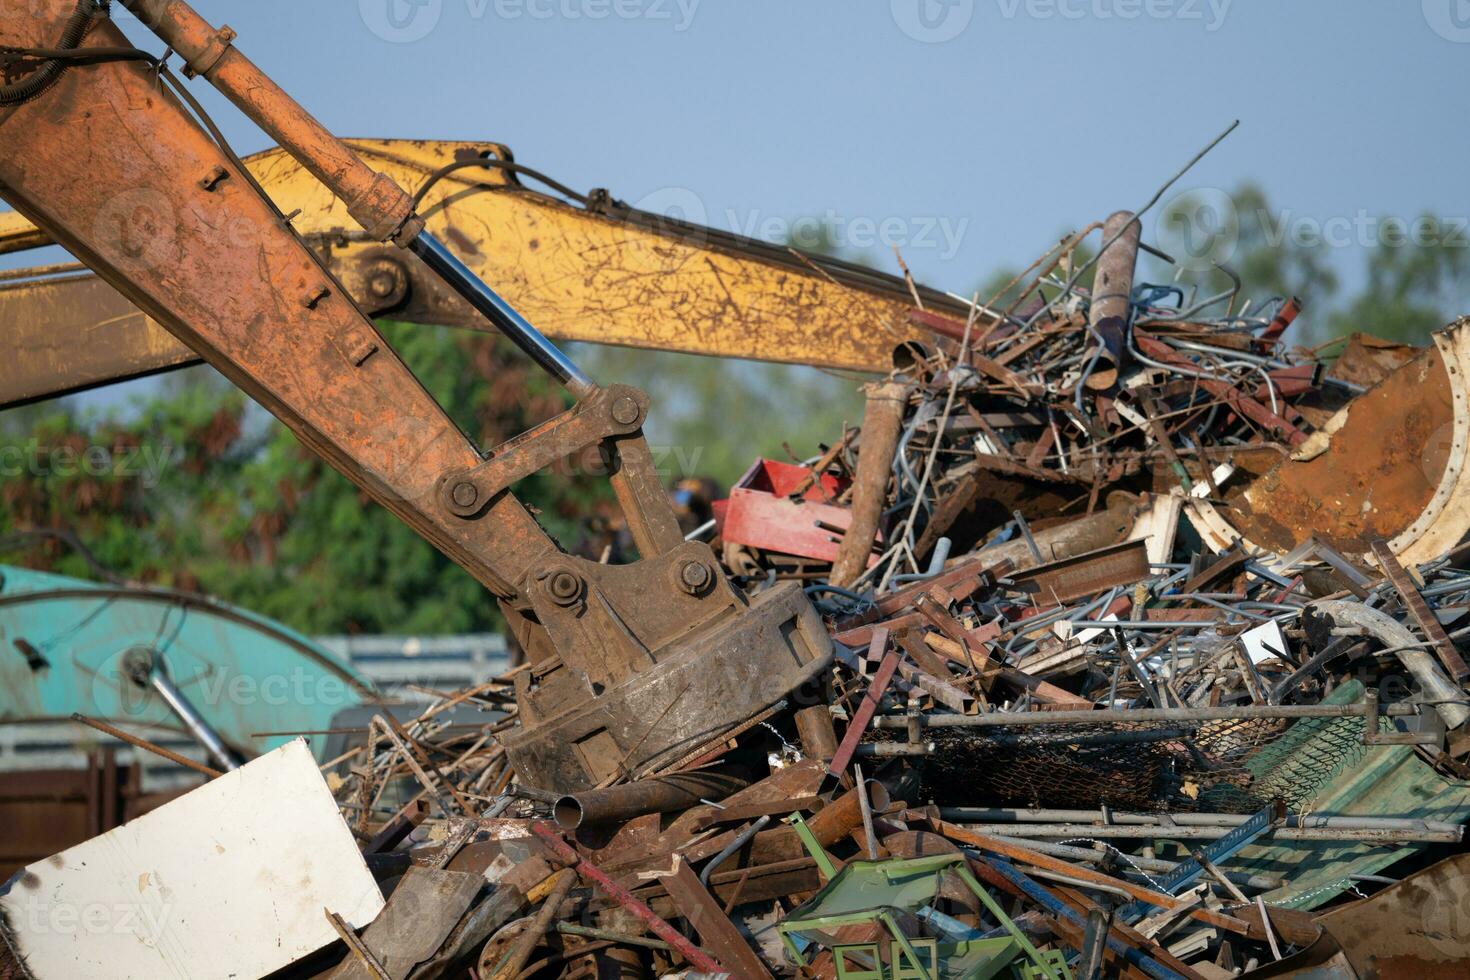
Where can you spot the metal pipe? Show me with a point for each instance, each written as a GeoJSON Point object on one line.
{"type": "Point", "coordinates": [1139, 863]}
{"type": "Point", "coordinates": [843, 815]}
{"type": "Point", "coordinates": [735, 845]}
{"type": "Point", "coordinates": [1065, 831]}
{"type": "Point", "coordinates": [882, 422]}
{"type": "Point", "coordinates": [1008, 815]}
{"type": "Point", "coordinates": [153, 675]}
{"type": "Point", "coordinates": [659, 794]}
{"type": "Point", "coordinates": [494, 308]}
{"type": "Point", "coordinates": [1003, 719]}
{"type": "Point", "coordinates": [1397, 637]}
{"type": "Point", "coordinates": [936, 565]}
{"type": "Point", "coordinates": [1112, 297]}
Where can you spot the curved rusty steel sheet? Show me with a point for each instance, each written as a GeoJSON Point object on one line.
{"type": "Point", "coordinates": [1392, 464]}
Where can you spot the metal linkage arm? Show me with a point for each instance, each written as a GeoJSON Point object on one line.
{"type": "Point", "coordinates": [119, 173]}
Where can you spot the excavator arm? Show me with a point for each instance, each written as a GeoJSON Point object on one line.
{"type": "Point", "coordinates": [591, 269]}
{"type": "Point", "coordinates": [633, 666]}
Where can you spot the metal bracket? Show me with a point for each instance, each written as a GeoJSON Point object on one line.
{"type": "Point", "coordinates": [616, 410]}
{"type": "Point", "coordinates": [218, 44]}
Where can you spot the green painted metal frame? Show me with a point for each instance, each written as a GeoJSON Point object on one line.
{"type": "Point", "coordinates": [892, 868]}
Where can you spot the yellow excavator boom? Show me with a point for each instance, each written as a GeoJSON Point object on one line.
{"type": "Point", "coordinates": [602, 273]}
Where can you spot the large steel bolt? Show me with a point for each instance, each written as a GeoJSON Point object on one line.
{"type": "Point", "coordinates": [565, 588]}
{"type": "Point", "coordinates": [386, 281]}
{"type": "Point", "coordinates": [694, 577]}
{"type": "Point", "coordinates": [465, 494]}
{"type": "Point", "coordinates": [625, 411]}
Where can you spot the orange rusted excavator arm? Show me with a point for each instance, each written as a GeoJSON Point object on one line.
{"type": "Point", "coordinates": [114, 168]}
{"type": "Point", "coordinates": [589, 270]}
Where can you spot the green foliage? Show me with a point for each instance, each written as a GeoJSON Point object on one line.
{"type": "Point", "coordinates": [197, 490]}
{"type": "Point", "coordinates": [1417, 273]}
{"type": "Point", "coordinates": [713, 417]}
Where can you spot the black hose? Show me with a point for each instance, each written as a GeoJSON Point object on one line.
{"type": "Point", "coordinates": [52, 69]}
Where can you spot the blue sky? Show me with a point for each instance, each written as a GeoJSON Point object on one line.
{"type": "Point", "coordinates": [973, 131]}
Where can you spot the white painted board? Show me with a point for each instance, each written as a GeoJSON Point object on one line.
{"type": "Point", "coordinates": [228, 881]}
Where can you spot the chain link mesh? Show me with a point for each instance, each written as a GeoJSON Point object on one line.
{"type": "Point", "coordinates": [1231, 766]}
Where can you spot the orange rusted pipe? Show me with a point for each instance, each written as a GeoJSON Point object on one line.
{"type": "Point", "coordinates": [374, 200]}
{"type": "Point", "coordinates": [882, 422]}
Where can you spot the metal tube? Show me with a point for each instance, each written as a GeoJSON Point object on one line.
{"type": "Point", "coordinates": [1263, 883]}
{"type": "Point", "coordinates": [1004, 719]}
{"type": "Point", "coordinates": [499, 312]}
{"type": "Point", "coordinates": [1008, 815]}
{"type": "Point", "coordinates": [843, 815]}
{"type": "Point", "coordinates": [735, 845]}
{"type": "Point", "coordinates": [192, 719]}
{"type": "Point", "coordinates": [882, 422]}
{"type": "Point", "coordinates": [1065, 831]}
{"type": "Point", "coordinates": [660, 794]}
{"type": "Point", "coordinates": [1396, 636]}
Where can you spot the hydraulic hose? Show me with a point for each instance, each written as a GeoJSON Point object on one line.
{"type": "Point", "coordinates": [52, 69]}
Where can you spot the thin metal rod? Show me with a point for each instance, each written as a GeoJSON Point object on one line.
{"type": "Point", "coordinates": [734, 845]}
{"type": "Point", "coordinates": [494, 308]}
{"type": "Point", "coordinates": [147, 746]}
{"type": "Point", "coordinates": [1139, 863]}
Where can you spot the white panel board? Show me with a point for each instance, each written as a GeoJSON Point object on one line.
{"type": "Point", "coordinates": [227, 881]}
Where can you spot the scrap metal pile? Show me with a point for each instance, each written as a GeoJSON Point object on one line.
{"type": "Point", "coordinates": [1077, 720]}
{"type": "Point", "coordinates": [1121, 639]}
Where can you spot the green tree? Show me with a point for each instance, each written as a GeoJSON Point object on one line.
{"type": "Point", "coordinates": [201, 492]}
